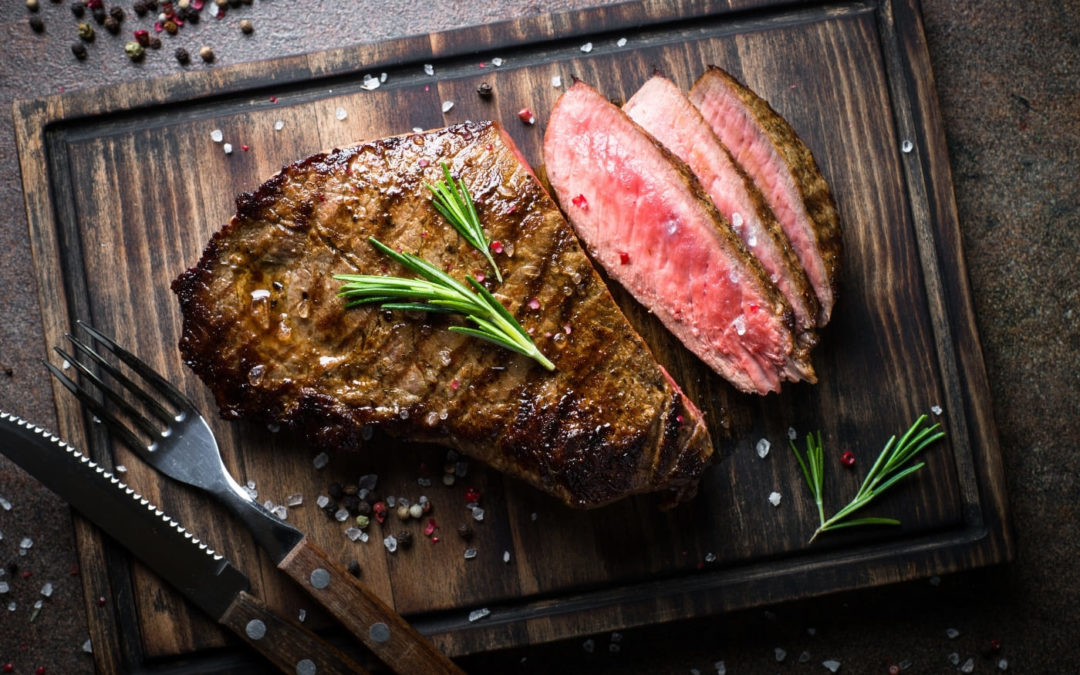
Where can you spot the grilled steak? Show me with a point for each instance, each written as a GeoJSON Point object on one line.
{"type": "Point", "coordinates": [663, 110]}
{"type": "Point", "coordinates": [770, 152]}
{"type": "Point", "coordinates": [264, 328]}
{"type": "Point", "coordinates": [648, 222]}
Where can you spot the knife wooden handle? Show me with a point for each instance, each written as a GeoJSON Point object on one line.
{"type": "Point", "coordinates": [293, 649]}
{"type": "Point", "coordinates": [390, 637]}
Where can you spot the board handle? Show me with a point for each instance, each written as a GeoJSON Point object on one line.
{"type": "Point", "coordinates": [381, 629]}
{"type": "Point", "coordinates": [293, 649]}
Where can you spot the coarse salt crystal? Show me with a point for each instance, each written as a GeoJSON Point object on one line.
{"type": "Point", "coordinates": [429, 69]}
{"type": "Point", "coordinates": [417, 130]}
{"type": "Point", "coordinates": [470, 553]}
{"type": "Point", "coordinates": [5, 504]}
{"type": "Point", "coordinates": [368, 481]}
{"type": "Point", "coordinates": [353, 533]}
{"type": "Point", "coordinates": [907, 146]}
{"type": "Point", "coordinates": [621, 42]}
{"type": "Point", "coordinates": [791, 433]}
{"type": "Point", "coordinates": [4, 587]}
{"type": "Point", "coordinates": [1003, 664]}
{"type": "Point", "coordinates": [301, 615]}
{"type": "Point", "coordinates": [12, 606]}
{"type": "Point", "coordinates": [322, 501]}
{"type": "Point", "coordinates": [774, 498]}
{"type": "Point", "coordinates": [832, 664]}
{"type": "Point", "coordinates": [382, 77]}
{"type": "Point", "coordinates": [556, 81]}
{"type": "Point", "coordinates": [423, 482]}
{"type": "Point", "coordinates": [780, 654]}
{"type": "Point", "coordinates": [506, 556]}
{"type": "Point", "coordinates": [762, 447]}
{"type": "Point", "coordinates": [341, 515]}
{"type": "Point", "coordinates": [370, 82]}
{"type": "Point", "coordinates": [227, 148]}
{"type": "Point", "coordinates": [447, 106]}
{"type": "Point", "coordinates": [280, 511]}
{"type": "Point", "coordinates": [26, 543]}
{"type": "Point", "coordinates": [936, 409]}
{"type": "Point", "coordinates": [47, 589]}
{"type": "Point", "coordinates": [321, 460]}
{"type": "Point", "coordinates": [279, 125]}
{"type": "Point", "coordinates": [589, 645]}
{"type": "Point", "coordinates": [390, 543]}
{"type": "Point", "coordinates": [120, 468]}
{"type": "Point", "coordinates": [341, 113]}
{"type": "Point", "coordinates": [294, 499]}
{"type": "Point", "coordinates": [736, 220]}
{"type": "Point", "coordinates": [954, 659]}
{"type": "Point", "coordinates": [952, 633]}
{"type": "Point", "coordinates": [478, 514]}
{"type": "Point", "coordinates": [587, 47]}
{"type": "Point", "coordinates": [710, 557]}
{"type": "Point", "coordinates": [721, 668]}
{"type": "Point", "coordinates": [217, 135]}
{"type": "Point", "coordinates": [496, 62]}
{"type": "Point", "coordinates": [88, 647]}
{"type": "Point", "coordinates": [804, 657]}
{"type": "Point", "coordinates": [478, 614]}
{"type": "Point", "coordinates": [968, 666]}
{"type": "Point", "coordinates": [740, 325]}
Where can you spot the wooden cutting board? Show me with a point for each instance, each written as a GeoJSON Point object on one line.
{"type": "Point", "coordinates": [124, 186]}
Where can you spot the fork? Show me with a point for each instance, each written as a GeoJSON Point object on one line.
{"type": "Point", "coordinates": [182, 446]}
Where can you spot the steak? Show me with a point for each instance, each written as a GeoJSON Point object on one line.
{"type": "Point", "coordinates": [662, 109]}
{"type": "Point", "coordinates": [265, 329]}
{"type": "Point", "coordinates": [646, 219]}
{"type": "Point", "coordinates": [774, 157]}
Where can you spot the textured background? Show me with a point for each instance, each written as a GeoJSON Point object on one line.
{"type": "Point", "coordinates": [1008, 76]}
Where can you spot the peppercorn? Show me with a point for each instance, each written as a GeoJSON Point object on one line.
{"type": "Point", "coordinates": [403, 511]}
{"type": "Point", "coordinates": [354, 568]}
{"type": "Point", "coordinates": [112, 25]}
{"type": "Point", "coordinates": [192, 17]}
{"type": "Point", "coordinates": [182, 56]}
{"type": "Point", "coordinates": [330, 510]}
{"type": "Point", "coordinates": [117, 13]}
{"type": "Point", "coordinates": [234, 3]}
{"type": "Point", "coordinates": [151, 5]}
{"type": "Point", "coordinates": [79, 50]}
{"type": "Point", "coordinates": [99, 15]}
{"type": "Point", "coordinates": [246, 2]}
{"type": "Point", "coordinates": [350, 503]}
{"type": "Point", "coordinates": [464, 531]}
{"type": "Point", "coordinates": [404, 539]}
{"type": "Point", "coordinates": [379, 510]}
{"type": "Point", "coordinates": [335, 491]}
{"type": "Point", "coordinates": [484, 90]}
{"type": "Point", "coordinates": [135, 51]}
{"type": "Point", "coordinates": [32, 5]}
{"type": "Point", "coordinates": [170, 27]}
{"type": "Point", "coordinates": [37, 24]}
{"type": "Point", "coordinates": [140, 8]}
{"type": "Point", "coordinates": [351, 489]}
{"type": "Point", "coordinates": [155, 42]}
{"type": "Point", "coordinates": [78, 9]}
{"type": "Point", "coordinates": [362, 522]}
{"type": "Point", "coordinates": [417, 510]}
{"type": "Point", "coordinates": [184, 4]}
{"type": "Point", "coordinates": [246, 27]}
{"type": "Point", "coordinates": [143, 37]}
{"type": "Point", "coordinates": [363, 508]}
{"type": "Point", "coordinates": [222, 4]}
{"type": "Point", "coordinates": [86, 32]}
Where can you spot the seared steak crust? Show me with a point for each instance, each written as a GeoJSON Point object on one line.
{"type": "Point", "coordinates": [265, 330]}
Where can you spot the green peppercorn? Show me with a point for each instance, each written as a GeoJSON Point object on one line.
{"type": "Point", "coordinates": [182, 56]}
{"type": "Point", "coordinates": [246, 27]}
{"type": "Point", "coordinates": [37, 24]}
{"type": "Point", "coordinates": [362, 522]}
{"type": "Point", "coordinates": [86, 32]}
{"type": "Point", "coordinates": [112, 25]}
{"type": "Point", "coordinates": [135, 51]}
{"type": "Point", "coordinates": [79, 50]}
{"type": "Point", "coordinates": [206, 54]}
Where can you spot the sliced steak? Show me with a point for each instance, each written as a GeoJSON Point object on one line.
{"type": "Point", "coordinates": [647, 221]}
{"type": "Point", "coordinates": [781, 165]}
{"type": "Point", "coordinates": [662, 109]}
{"type": "Point", "coordinates": [264, 328]}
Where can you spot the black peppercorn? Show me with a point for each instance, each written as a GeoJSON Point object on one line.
{"type": "Point", "coordinates": [99, 15]}
{"type": "Point", "coordinates": [404, 539]}
{"type": "Point", "coordinates": [246, 2]}
{"type": "Point", "coordinates": [117, 13]}
{"type": "Point", "coordinates": [78, 9]}
{"type": "Point", "coordinates": [484, 90]}
{"type": "Point", "coordinates": [140, 8]}
{"type": "Point", "coordinates": [37, 24]}
{"type": "Point", "coordinates": [246, 27]}
{"type": "Point", "coordinates": [182, 56]}
{"type": "Point", "coordinates": [350, 503]}
{"type": "Point", "coordinates": [79, 50]}
{"type": "Point", "coordinates": [464, 531]}
{"type": "Point", "coordinates": [354, 568]}
{"type": "Point", "coordinates": [155, 42]}
{"type": "Point", "coordinates": [363, 508]}
{"type": "Point", "coordinates": [112, 25]}
{"type": "Point", "coordinates": [234, 3]}
{"type": "Point", "coordinates": [151, 5]}
{"type": "Point", "coordinates": [335, 491]}
{"type": "Point", "coordinates": [330, 510]}
{"type": "Point", "coordinates": [193, 17]}
{"type": "Point", "coordinates": [351, 489]}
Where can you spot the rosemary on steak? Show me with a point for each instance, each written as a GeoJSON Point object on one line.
{"type": "Point", "coordinates": [438, 292]}
{"type": "Point", "coordinates": [452, 199]}
{"type": "Point", "coordinates": [892, 465]}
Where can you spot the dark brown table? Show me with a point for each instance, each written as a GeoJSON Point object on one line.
{"type": "Point", "coordinates": [1008, 77]}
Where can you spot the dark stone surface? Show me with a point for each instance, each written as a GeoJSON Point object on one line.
{"type": "Point", "coordinates": [1008, 77]}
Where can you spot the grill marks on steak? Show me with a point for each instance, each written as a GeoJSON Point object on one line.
{"type": "Point", "coordinates": [661, 108]}
{"type": "Point", "coordinates": [774, 157]}
{"type": "Point", "coordinates": [265, 330]}
{"type": "Point", "coordinates": [646, 219]}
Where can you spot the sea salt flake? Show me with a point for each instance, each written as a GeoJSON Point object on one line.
{"type": "Point", "coordinates": [736, 220]}
{"type": "Point", "coordinates": [589, 645]}
{"type": "Point", "coordinates": [1003, 664]}
{"type": "Point", "coordinates": [774, 498]}
{"type": "Point", "coordinates": [804, 657]}
{"type": "Point", "coordinates": [321, 460]}
{"type": "Point", "coordinates": [968, 666]}
{"type": "Point", "coordinates": [47, 589]}
{"type": "Point", "coordinates": [478, 514]}
{"type": "Point", "coordinates": [954, 659]}
{"type": "Point", "coordinates": [556, 81]}
{"type": "Point", "coordinates": [470, 553]}
{"type": "Point", "coordinates": [322, 501]}
{"type": "Point", "coordinates": [780, 654]}
{"type": "Point", "coordinates": [740, 325]}
{"type": "Point", "coordinates": [423, 481]}
{"type": "Point", "coordinates": [227, 148]}
{"type": "Point", "coordinates": [217, 136]}
{"type": "Point", "coordinates": [936, 409]}
{"type": "Point", "coordinates": [417, 130]}
{"type": "Point", "coordinates": [341, 515]}
{"type": "Point", "coordinates": [368, 481]}
{"type": "Point", "coordinates": [295, 499]}
{"type": "Point", "coordinates": [301, 615]}
{"type": "Point", "coordinates": [621, 42]}
{"type": "Point", "coordinates": [952, 633]}
{"type": "Point", "coordinates": [26, 543]}
{"type": "Point", "coordinates": [279, 125]}
{"type": "Point", "coordinates": [791, 433]}
{"type": "Point", "coordinates": [429, 69]}
{"type": "Point", "coordinates": [762, 447]}
{"type": "Point", "coordinates": [5, 504]}
{"type": "Point", "coordinates": [370, 82]}
{"type": "Point", "coordinates": [4, 588]}
{"type": "Point", "coordinates": [382, 77]}
{"type": "Point", "coordinates": [447, 106]}
{"type": "Point", "coordinates": [390, 543]}
{"type": "Point", "coordinates": [710, 557]}
{"type": "Point", "coordinates": [721, 668]}
{"type": "Point", "coordinates": [88, 647]}
{"type": "Point", "coordinates": [341, 114]}
{"type": "Point", "coordinates": [907, 146]}
{"type": "Point", "coordinates": [353, 533]}
{"type": "Point", "coordinates": [587, 47]}
{"type": "Point", "coordinates": [496, 62]}
{"type": "Point", "coordinates": [478, 614]}
{"type": "Point", "coordinates": [280, 511]}
{"type": "Point", "coordinates": [506, 556]}
{"type": "Point", "coordinates": [832, 664]}
{"type": "Point", "coordinates": [120, 468]}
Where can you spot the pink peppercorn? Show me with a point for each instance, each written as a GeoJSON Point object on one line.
{"type": "Point", "coordinates": [848, 459]}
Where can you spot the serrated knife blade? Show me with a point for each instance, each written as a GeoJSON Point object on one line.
{"type": "Point", "coordinates": [203, 576]}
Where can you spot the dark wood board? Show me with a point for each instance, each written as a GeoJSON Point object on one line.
{"type": "Point", "coordinates": [124, 186]}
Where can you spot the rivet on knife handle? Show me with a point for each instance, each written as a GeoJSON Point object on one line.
{"type": "Point", "coordinates": [291, 648]}
{"type": "Point", "coordinates": [386, 634]}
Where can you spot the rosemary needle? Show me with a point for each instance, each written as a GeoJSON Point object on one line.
{"type": "Point", "coordinates": [438, 292]}
{"type": "Point", "coordinates": [452, 199]}
{"type": "Point", "coordinates": [890, 467]}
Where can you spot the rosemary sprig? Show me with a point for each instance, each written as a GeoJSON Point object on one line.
{"type": "Point", "coordinates": [890, 467]}
{"type": "Point", "coordinates": [438, 292]}
{"type": "Point", "coordinates": [452, 199]}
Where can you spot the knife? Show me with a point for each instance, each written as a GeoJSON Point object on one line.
{"type": "Point", "coordinates": [203, 576]}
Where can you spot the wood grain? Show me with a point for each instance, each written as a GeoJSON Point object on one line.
{"type": "Point", "coordinates": [124, 187]}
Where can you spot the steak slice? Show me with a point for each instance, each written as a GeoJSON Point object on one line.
{"type": "Point", "coordinates": [662, 109]}
{"type": "Point", "coordinates": [770, 152]}
{"type": "Point", "coordinates": [264, 328]}
{"type": "Point", "coordinates": [648, 222]}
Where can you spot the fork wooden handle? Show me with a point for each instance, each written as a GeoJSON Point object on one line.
{"type": "Point", "coordinates": [386, 633]}
{"type": "Point", "coordinates": [292, 648]}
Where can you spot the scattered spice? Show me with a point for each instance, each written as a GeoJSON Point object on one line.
{"type": "Point", "coordinates": [98, 14]}
{"type": "Point", "coordinates": [354, 568]}
{"type": "Point", "coordinates": [526, 116]}
{"type": "Point", "coordinates": [155, 42]}
{"type": "Point", "coordinates": [79, 10]}
{"type": "Point", "coordinates": [405, 539]}
{"type": "Point", "coordinates": [117, 13]}
{"type": "Point", "coordinates": [170, 27]}
{"type": "Point", "coordinates": [32, 5]}
{"type": "Point", "coordinates": [206, 54]}
{"type": "Point", "coordinates": [36, 24]}
{"type": "Point", "coordinates": [140, 7]}
{"type": "Point", "coordinates": [135, 51]}
{"type": "Point", "coordinates": [143, 37]}
{"type": "Point", "coordinates": [848, 459]}
{"type": "Point", "coordinates": [246, 27]}
{"type": "Point", "coordinates": [86, 32]}
{"type": "Point", "coordinates": [79, 50]}
{"type": "Point", "coordinates": [182, 56]}
{"type": "Point", "coordinates": [112, 25]}
{"type": "Point", "coordinates": [484, 90]}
